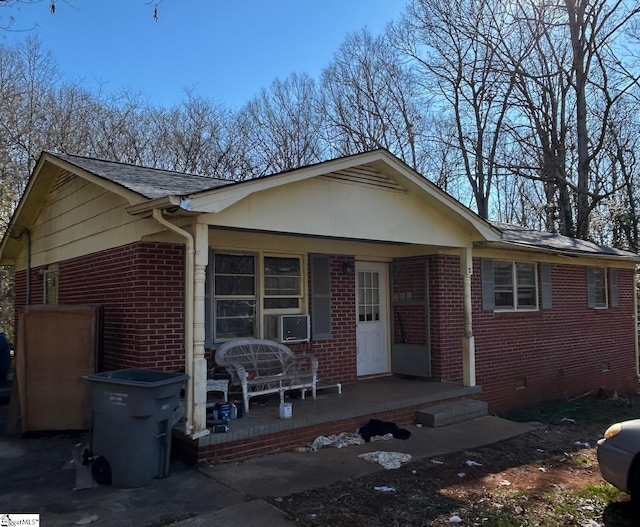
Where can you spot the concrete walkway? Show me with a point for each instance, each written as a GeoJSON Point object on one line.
{"type": "Point", "coordinates": [36, 476]}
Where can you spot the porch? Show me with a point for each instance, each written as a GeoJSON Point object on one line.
{"type": "Point", "coordinates": [261, 431]}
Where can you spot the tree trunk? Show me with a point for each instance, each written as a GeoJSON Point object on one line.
{"type": "Point", "coordinates": [576, 10]}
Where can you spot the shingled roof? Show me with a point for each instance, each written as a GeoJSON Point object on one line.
{"type": "Point", "coordinates": [527, 238]}
{"type": "Point", "coordinates": [151, 183]}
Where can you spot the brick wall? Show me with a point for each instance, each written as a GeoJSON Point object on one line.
{"type": "Point", "coordinates": [446, 318]}
{"type": "Point", "coordinates": [521, 357]}
{"type": "Point", "coordinates": [337, 357]}
{"type": "Point", "coordinates": [141, 287]}
{"type": "Point", "coordinates": [526, 357]}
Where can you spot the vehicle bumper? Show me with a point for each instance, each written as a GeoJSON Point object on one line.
{"type": "Point", "coordinates": [614, 464]}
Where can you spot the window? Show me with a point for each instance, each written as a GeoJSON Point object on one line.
{"type": "Point", "coordinates": [50, 294]}
{"type": "Point", "coordinates": [599, 287]}
{"type": "Point", "coordinates": [509, 285]}
{"type": "Point", "coordinates": [368, 296]}
{"type": "Point", "coordinates": [515, 285]}
{"type": "Point", "coordinates": [244, 287]}
{"type": "Point", "coordinates": [235, 296]}
{"type": "Point", "coordinates": [282, 283]}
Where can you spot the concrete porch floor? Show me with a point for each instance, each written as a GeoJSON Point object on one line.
{"type": "Point", "coordinates": [385, 398]}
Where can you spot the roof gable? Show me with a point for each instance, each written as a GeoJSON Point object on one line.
{"type": "Point", "coordinates": [376, 169]}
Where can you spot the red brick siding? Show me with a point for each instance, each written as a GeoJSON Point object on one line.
{"type": "Point", "coordinates": [337, 357]}
{"type": "Point", "coordinates": [446, 318]}
{"type": "Point", "coordinates": [521, 357]}
{"type": "Point", "coordinates": [525, 357]}
{"type": "Point", "coordinates": [142, 288]}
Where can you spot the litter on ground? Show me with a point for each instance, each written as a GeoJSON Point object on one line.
{"type": "Point", "coordinates": [384, 489]}
{"type": "Point", "coordinates": [389, 460]}
{"type": "Point", "coordinates": [87, 520]}
{"type": "Point", "coordinates": [341, 440]}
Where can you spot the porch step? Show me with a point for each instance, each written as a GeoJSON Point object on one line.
{"type": "Point", "coordinates": [449, 413]}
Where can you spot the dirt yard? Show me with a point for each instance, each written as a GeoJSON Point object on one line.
{"type": "Point", "coordinates": [548, 477]}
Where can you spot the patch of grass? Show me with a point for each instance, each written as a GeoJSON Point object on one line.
{"type": "Point", "coordinates": [581, 506]}
{"type": "Point", "coordinates": [603, 492]}
{"type": "Point", "coordinates": [581, 461]}
{"type": "Point", "coordinates": [563, 506]}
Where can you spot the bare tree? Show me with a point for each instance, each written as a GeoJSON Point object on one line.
{"type": "Point", "coordinates": [465, 75]}
{"type": "Point", "coordinates": [120, 128]}
{"type": "Point", "coordinates": [371, 101]}
{"type": "Point", "coordinates": [196, 136]}
{"type": "Point", "coordinates": [568, 89]}
{"type": "Point", "coordinates": [282, 125]}
{"type": "Point", "coordinates": [616, 176]}
{"type": "Point", "coordinates": [36, 72]}
{"type": "Point", "coordinates": [594, 26]}
{"type": "Point", "coordinates": [539, 132]}
{"type": "Point", "coordinates": [532, 87]}
{"type": "Point", "coordinates": [442, 162]}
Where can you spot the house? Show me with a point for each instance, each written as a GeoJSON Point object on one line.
{"type": "Point", "coordinates": [396, 277]}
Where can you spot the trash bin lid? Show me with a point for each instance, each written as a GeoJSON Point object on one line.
{"type": "Point", "coordinates": [137, 377]}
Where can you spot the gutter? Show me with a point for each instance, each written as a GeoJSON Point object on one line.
{"type": "Point", "coordinates": [188, 313]}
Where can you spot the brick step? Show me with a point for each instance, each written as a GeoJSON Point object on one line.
{"type": "Point", "coordinates": [449, 413]}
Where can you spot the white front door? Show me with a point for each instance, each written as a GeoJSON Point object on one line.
{"type": "Point", "coordinates": [371, 317]}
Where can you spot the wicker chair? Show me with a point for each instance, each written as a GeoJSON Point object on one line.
{"type": "Point", "coordinates": [260, 366]}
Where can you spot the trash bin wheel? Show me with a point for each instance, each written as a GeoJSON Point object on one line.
{"type": "Point", "coordinates": [101, 471]}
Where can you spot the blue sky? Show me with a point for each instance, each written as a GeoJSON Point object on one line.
{"type": "Point", "coordinates": [224, 49]}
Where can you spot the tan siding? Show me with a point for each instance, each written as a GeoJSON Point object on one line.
{"type": "Point", "coordinates": [79, 218]}
{"type": "Point", "coordinates": [328, 207]}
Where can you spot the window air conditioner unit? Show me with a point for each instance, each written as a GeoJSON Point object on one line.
{"type": "Point", "coordinates": [287, 328]}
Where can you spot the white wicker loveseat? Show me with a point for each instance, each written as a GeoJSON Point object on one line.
{"type": "Point", "coordinates": [260, 366]}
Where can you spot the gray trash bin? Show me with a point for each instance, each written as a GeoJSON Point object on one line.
{"type": "Point", "coordinates": [132, 423]}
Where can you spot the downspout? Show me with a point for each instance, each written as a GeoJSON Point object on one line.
{"type": "Point", "coordinates": [188, 312]}
{"type": "Point", "coordinates": [636, 276]}
{"type": "Point", "coordinates": [468, 340]}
